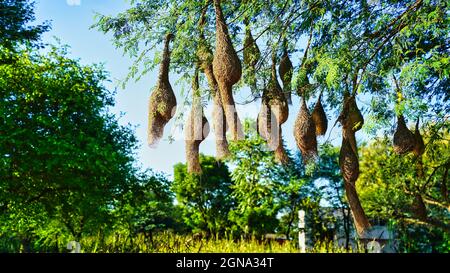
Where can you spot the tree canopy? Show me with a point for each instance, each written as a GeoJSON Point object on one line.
{"type": "Point", "coordinates": [15, 28]}
{"type": "Point", "coordinates": [67, 167]}
{"type": "Point", "coordinates": [396, 53]}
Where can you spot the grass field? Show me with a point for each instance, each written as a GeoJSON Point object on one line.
{"type": "Point", "coordinates": [172, 243]}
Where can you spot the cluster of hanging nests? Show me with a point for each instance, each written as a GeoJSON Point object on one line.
{"type": "Point", "coordinates": [222, 69]}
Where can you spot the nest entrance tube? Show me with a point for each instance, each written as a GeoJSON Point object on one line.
{"type": "Point", "coordinates": [196, 130]}
{"type": "Point", "coordinates": [280, 153]}
{"type": "Point", "coordinates": [220, 128]}
{"type": "Point", "coordinates": [162, 103]}
{"type": "Point", "coordinates": [227, 72]}
{"type": "Point", "coordinates": [348, 161]}
{"type": "Point", "coordinates": [270, 130]}
{"type": "Point", "coordinates": [305, 133]}
{"type": "Point", "coordinates": [362, 224]}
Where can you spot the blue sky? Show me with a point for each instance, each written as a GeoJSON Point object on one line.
{"type": "Point", "coordinates": [71, 21]}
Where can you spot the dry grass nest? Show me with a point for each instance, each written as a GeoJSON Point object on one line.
{"type": "Point", "coordinates": [162, 103]}
{"type": "Point", "coordinates": [286, 70]}
{"type": "Point", "coordinates": [320, 118]}
{"type": "Point", "coordinates": [226, 64]}
{"type": "Point", "coordinates": [404, 140]}
{"type": "Point", "coordinates": [305, 133]}
{"type": "Point", "coordinates": [219, 121]}
{"type": "Point", "coordinates": [227, 71]}
{"type": "Point", "coordinates": [252, 54]}
{"type": "Point", "coordinates": [274, 112]}
{"type": "Point", "coordinates": [351, 115]}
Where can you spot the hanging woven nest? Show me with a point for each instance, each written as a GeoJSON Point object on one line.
{"type": "Point", "coordinates": [205, 57]}
{"type": "Point", "coordinates": [252, 54]}
{"type": "Point", "coordinates": [196, 131]}
{"type": "Point", "coordinates": [286, 70]}
{"type": "Point", "coordinates": [227, 71]}
{"type": "Point", "coordinates": [351, 115]}
{"type": "Point", "coordinates": [352, 121]}
{"type": "Point", "coordinates": [348, 162]}
{"type": "Point", "coordinates": [162, 104]}
{"type": "Point", "coordinates": [320, 118]}
{"type": "Point", "coordinates": [274, 111]}
{"type": "Point", "coordinates": [305, 133]}
{"type": "Point", "coordinates": [404, 140]}
{"type": "Point", "coordinates": [419, 145]}
{"type": "Point", "coordinates": [275, 96]}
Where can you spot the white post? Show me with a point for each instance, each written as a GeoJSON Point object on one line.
{"type": "Point", "coordinates": [74, 246]}
{"type": "Point", "coordinates": [301, 232]}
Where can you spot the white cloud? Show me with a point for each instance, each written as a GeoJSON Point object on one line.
{"type": "Point", "coordinates": [73, 2]}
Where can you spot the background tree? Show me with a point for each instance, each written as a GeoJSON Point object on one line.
{"type": "Point", "coordinates": [333, 192]}
{"type": "Point", "coordinates": [147, 207]}
{"type": "Point", "coordinates": [389, 187]}
{"type": "Point", "coordinates": [317, 189]}
{"type": "Point", "coordinates": [256, 185]}
{"type": "Point", "coordinates": [204, 199]}
{"type": "Point", "coordinates": [15, 28]}
{"type": "Point", "coordinates": [61, 151]}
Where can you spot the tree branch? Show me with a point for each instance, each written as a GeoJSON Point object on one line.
{"type": "Point", "coordinates": [429, 222]}
{"type": "Point", "coordinates": [393, 32]}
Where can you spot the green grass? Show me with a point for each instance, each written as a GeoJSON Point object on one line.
{"type": "Point", "coordinates": [164, 242]}
{"type": "Point", "coordinates": [167, 242]}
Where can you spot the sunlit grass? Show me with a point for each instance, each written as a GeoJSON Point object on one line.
{"type": "Point", "coordinates": [168, 242]}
